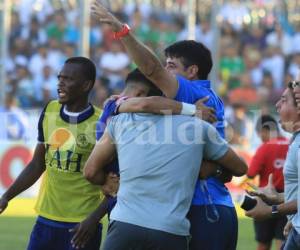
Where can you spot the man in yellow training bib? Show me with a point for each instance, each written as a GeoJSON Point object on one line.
{"type": "Point", "coordinates": [68, 205]}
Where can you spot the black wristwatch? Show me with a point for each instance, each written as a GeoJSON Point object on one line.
{"type": "Point", "coordinates": [275, 211]}
{"type": "Point", "coordinates": [219, 171]}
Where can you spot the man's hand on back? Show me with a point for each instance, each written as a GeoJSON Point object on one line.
{"type": "Point", "coordinates": [205, 113]}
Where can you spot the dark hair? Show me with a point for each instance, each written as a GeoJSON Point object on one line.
{"type": "Point", "coordinates": [88, 68]}
{"type": "Point", "coordinates": [192, 53]}
{"type": "Point", "coordinates": [266, 122]}
{"type": "Point", "coordinates": [138, 77]}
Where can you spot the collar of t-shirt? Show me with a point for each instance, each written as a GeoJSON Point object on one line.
{"type": "Point", "coordinates": [75, 114]}
{"type": "Point", "coordinates": [76, 117]}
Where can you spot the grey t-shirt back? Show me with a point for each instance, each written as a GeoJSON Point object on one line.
{"type": "Point", "coordinates": [159, 160]}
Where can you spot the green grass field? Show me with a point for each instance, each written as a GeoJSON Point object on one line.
{"type": "Point", "coordinates": [15, 231]}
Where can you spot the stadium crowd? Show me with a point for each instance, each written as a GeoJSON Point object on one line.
{"type": "Point", "coordinates": [254, 60]}
{"type": "Point", "coordinates": [255, 65]}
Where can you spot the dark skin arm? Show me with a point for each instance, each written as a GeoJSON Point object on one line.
{"type": "Point", "coordinates": [210, 168]}
{"type": "Point", "coordinates": [102, 154]}
{"type": "Point", "coordinates": [233, 163]}
{"type": "Point", "coordinates": [87, 228]}
{"type": "Point", "coordinates": [27, 178]}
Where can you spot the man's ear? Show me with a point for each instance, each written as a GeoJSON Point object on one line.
{"type": "Point", "coordinates": [88, 85]}
{"type": "Point", "coordinates": [193, 72]}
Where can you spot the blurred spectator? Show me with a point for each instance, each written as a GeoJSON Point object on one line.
{"type": "Point", "coordinates": [25, 89]}
{"type": "Point", "coordinates": [113, 64]}
{"type": "Point", "coordinates": [35, 33]}
{"type": "Point", "coordinates": [279, 38]}
{"type": "Point", "coordinates": [15, 123]}
{"type": "Point", "coordinates": [44, 56]}
{"type": "Point", "coordinates": [57, 28]}
{"type": "Point", "coordinates": [15, 27]}
{"type": "Point", "coordinates": [274, 63]}
{"type": "Point", "coordinates": [234, 12]}
{"type": "Point", "coordinates": [296, 40]}
{"type": "Point", "coordinates": [44, 33]}
{"type": "Point", "coordinates": [100, 92]}
{"type": "Point", "coordinates": [255, 37]}
{"type": "Point", "coordinates": [252, 59]}
{"type": "Point", "coordinates": [206, 35]}
{"type": "Point", "coordinates": [231, 66]}
{"type": "Point", "coordinates": [45, 86]}
{"type": "Point", "coordinates": [245, 94]}
{"type": "Point", "coordinates": [294, 67]}
{"type": "Point", "coordinates": [238, 123]}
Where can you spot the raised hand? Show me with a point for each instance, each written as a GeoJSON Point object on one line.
{"type": "Point", "coordinates": [268, 193]}
{"type": "Point", "coordinates": [105, 17]}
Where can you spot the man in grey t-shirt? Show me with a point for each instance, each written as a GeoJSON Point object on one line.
{"type": "Point", "coordinates": [159, 160]}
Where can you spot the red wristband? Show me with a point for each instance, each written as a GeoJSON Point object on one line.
{"type": "Point", "coordinates": [123, 32]}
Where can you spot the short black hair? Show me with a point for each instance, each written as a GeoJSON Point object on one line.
{"type": "Point", "coordinates": [138, 77]}
{"type": "Point", "coordinates": [266, 122]}
{"type": "Point", "coordinates": [88, 68]}
{"type": "Point", "coordinates": [192, 53]}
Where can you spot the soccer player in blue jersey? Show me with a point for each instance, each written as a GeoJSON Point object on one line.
{"type": "Point", "coordinates": [212, 214]}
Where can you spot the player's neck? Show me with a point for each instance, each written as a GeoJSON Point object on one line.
{"type": "Point", "coordinates": [77, 106]}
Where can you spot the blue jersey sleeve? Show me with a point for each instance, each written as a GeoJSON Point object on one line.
{"type": "Point", "coordinates": [188, 91]}
{"type": "Point", "coordinates": [108, 111]}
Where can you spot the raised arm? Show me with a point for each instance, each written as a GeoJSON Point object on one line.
{"type": "Point", "coordinates": [144, 58]}
{"type": "Point", "coordinates": [27, 178]}
{"type": "Point", "coordinates": [103, 153]}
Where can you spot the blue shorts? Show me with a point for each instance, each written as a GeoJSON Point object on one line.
{"type": "Point", "coordinates": [210, 232]}
{"type": "Point", "coordinates": [49, 235]}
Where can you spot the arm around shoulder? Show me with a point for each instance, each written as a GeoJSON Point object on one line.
{"type": "Point", "coordinates": [152, 104]}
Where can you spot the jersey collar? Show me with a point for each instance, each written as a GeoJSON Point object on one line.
{"type": "Point", "coordinates": [77, 119]}
{"type": "Point", "coordinates": [203, 83]}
